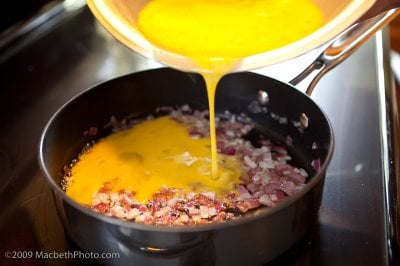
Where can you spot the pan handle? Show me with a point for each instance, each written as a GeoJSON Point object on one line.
{"type": "Point", "coordinates": [342, 47]}
{"type": "Point", "coordinates": [379, 7]}
{"type": "Point", "coordinates": [163, 244]}
{"type": "Point", "coordinates": [171, 251]}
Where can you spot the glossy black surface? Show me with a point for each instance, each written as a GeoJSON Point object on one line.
{"type": "Point", "coordinates": [72, 52]}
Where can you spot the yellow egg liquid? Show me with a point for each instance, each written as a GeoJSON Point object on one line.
{"type": "Point", "coordinates": [215, 34]}
{"type": "Point", "coordinates": [151, 155]}
{"type": "Point", "coordinates": [223, 29]}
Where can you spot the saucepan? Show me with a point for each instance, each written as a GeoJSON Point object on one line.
{"type": "Point", "coordinates": [253, 239]}
{"type": "Point", "coordinates": [250, 240]}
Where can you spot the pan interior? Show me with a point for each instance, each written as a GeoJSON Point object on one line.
{"type": "Point", "coordinates": [139, 94]}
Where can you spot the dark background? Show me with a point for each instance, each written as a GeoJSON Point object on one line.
{"type": "Point", "coordinates": [13, 12]}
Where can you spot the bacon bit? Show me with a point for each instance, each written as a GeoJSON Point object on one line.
{"type": "Point", "coordinates": [125, 204]}
{"type": "Point", "coordinates": [203, 200]}
{"type": "Point", "coordinates": [143, 208]}
{"type": "Point", "coordinates": [204, 212]}
{"type": "Point", "coordinates": [253, 203]}
{"type": "Point", "coordinates": [102, 207]}
{"type": "Point", "coordinates": [230, 195]}
{"type": "Point", "coordinates": [242, 206]}
{"type": "Point", "coordinates": [132, 213]}
{"type": "Point", "coordinates": [243, 192]}
{"type": "Point", "coordinates": [247, 205]}
{"type": "Point", "coordinates": [220, 206]}
{"type": "Point", "coordinates": [164, 195]}
{"type": "Point", "coordinates": [100, 197]}
{"type": "Point", "coordinates": [118, 211]}
{"type": "Point", "coordinates": [210, 195]}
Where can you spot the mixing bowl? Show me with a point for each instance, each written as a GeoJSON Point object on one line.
{"type": "Point", "coordinates": [119, 17]}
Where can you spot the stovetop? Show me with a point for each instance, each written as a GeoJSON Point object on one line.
{"type": "Point", "coordinates": [70, 52]}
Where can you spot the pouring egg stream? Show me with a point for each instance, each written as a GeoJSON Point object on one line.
{"type": "Point", "coordinates": [215, 35]}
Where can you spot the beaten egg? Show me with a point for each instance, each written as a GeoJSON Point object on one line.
{"type": "Point", "coordinates": [223, 29]}
{"type": "Point", "coordinates": [151, 155]}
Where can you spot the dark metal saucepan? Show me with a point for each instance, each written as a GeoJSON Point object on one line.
{"type": "Point", "coordinates": [253, 239]}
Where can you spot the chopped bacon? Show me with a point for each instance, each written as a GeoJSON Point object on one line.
{"type": "Point", "coordinates": [102, 207]}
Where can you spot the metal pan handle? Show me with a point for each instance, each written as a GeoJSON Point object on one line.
{"type": "Point", "coordinates": [342, 47]}
{"type": "Point", "coordinates": [379, 7]}
{"type": "Point", "coordinates": [160, 244]}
